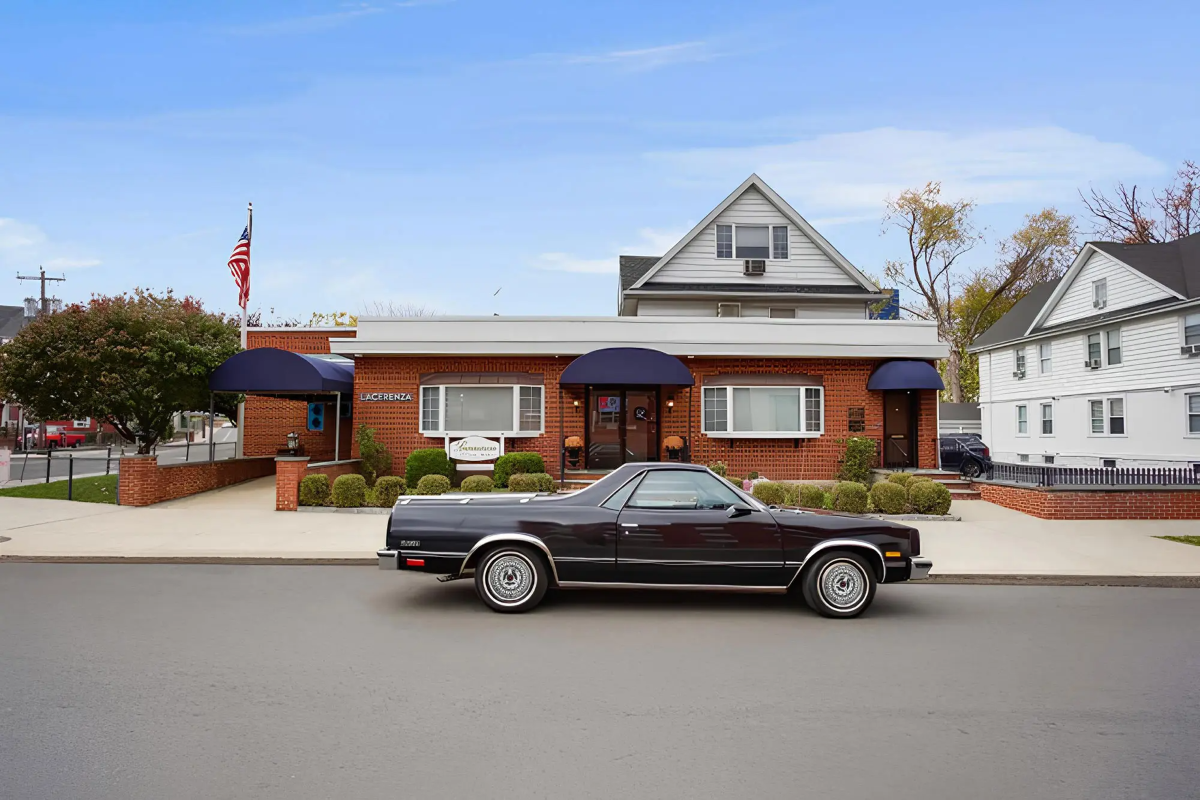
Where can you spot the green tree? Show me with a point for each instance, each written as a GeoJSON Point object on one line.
{"type": "Point", "coordinates": [129, 360]}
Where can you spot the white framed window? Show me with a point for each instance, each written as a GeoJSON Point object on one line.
{"type": "Point", "coordinates": [724, 241]}
{"type": "Point", "coordinates": [1047, 459]}
{"type": "Point", "coordinates": [1022, 420]}
{"type": "Point", "coordinates": [1191, 328]}
{"type": "Point", "coordinates": [1113, 350]}
{"type": "Point", "coordinates": [489, 410]}
{"type": "Point", "coordinates": [1019, 363]}
{"type": "Point", "coordinates": [1045, 358]}
{"type": "Point", "coordinates": [764, 412]}
{"type": "Point", "coordinates": [1116, 416]}
{"type": "Point", "coordinates": [1106, 416]}
{"type": "Point", "coordinates": [1100, 293]}
{"type": "Point", "coordinates": [774, 312]}
{"type": "Point", "coordinates": [1023, 458]}
{"type": "Point", "coordinates": [779, 242]}
{"type": "Point", "coordinates": [1096, 413]}
{"type": "Point", "coordinates": [1093, 348]}
{"type": "Point", "coordinates": [1192, 404]}
{"type": "Point", "coordinates": [1108, 463]}
{"type": "Point", "coordinates": [1104, 347]}
{"type": "Point", "coordinates": [1047, 419]}
{"type": "Point", "coordinates": [729, 309]}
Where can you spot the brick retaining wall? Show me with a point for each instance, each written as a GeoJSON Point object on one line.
{"type": "Point", "coordinates": [290, 470]}
{"type": "Point", "coordinates": [143, 482]}
{"type": "Point", "coordinates": [1132, 503]}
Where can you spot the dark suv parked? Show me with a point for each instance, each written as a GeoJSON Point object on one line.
{"type": "Point", "coordinates": [965, 453]}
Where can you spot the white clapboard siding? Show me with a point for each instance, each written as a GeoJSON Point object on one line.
{"type": "Point", "coordinates": [1126, 288]}
{"type": "Point", "coordinates": [829, 309]}
{"type": "Point", "coordinates": [697, 262]}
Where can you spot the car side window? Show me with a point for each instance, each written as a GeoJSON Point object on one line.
{"type": "Point", "coordinates": [682, 489]}
{"type": "Point", "coordinates": [621, 496]}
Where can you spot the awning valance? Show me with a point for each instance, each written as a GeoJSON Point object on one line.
{"type": "Point", "coordinates": [905, 375]}
{"type": "Point", "coordinates": [270, 371]}
{"type": "Point", "coordinates": [629, 366]}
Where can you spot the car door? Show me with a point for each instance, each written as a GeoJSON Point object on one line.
{"type": "Point", "coordinates": [689, 527]}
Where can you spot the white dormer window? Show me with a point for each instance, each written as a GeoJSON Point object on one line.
{"type": "Point", "coordinates": [1100, 293]}
{"type": "Point", "coordinates": [724, 241]}
{"type": "Point", "coordinates": [779, 242]}
{"type": "Point", "coordinates": [753, 242]}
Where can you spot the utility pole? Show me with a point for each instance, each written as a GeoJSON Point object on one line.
{"type": "Point", "coordinates": [44, 304]}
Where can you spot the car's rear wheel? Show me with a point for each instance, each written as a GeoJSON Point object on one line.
{"type": "Point", "coordinates": [971, 469]}
{"type": "Point", "coordinates": [839, 584]}
{"type": "Point", "coordinates": [511, 579]}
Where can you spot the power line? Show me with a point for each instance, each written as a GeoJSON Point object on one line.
{"type": "Point", "coordinates": [44, 304]}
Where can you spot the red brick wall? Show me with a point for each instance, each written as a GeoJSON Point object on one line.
{"type": "Point", "coordinates": [845, 381]}
{"type": "Point", "coordinates": [143, 482]}
{"type": "Point", "coordinates": [290, 471]}
{"type": "Point", "coordinates": [313, 342]}
{"type": "Point", "coordinates": [1131, 504]}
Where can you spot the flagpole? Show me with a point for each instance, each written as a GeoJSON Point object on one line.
{"type": "Point", "coordinates": [241, 412]}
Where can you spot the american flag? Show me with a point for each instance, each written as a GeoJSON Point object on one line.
{"type": "Point", "coordinates": [239, 266]}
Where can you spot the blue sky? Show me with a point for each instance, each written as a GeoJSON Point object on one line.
{"type": "Point", "coordinates": [433, 152]}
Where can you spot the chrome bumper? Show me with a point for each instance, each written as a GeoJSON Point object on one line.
{"type": "Point", "coordinates": [388, 559]}
{"type": "Point", "coordinates": [918, 571]}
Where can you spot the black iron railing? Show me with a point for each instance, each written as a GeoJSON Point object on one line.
{"type": "Point", "coordinates": [1048, 475]}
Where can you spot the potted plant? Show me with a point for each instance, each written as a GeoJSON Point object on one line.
{"type": "Point", "coordinates": [674, 447]}
{"type": "Point", "coordinates": [574, 448]}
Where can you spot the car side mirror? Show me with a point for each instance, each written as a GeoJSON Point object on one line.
{"type": "Point", "coordinates": [738, 510]}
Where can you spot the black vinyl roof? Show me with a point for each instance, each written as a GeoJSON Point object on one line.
{"type": "Point", "coordinates": [12, 320]}
{"type": "Point", "coordinates": [634, 267]}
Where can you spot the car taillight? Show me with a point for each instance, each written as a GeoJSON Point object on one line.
{"type": "Point", "coordinates": [987, 452]}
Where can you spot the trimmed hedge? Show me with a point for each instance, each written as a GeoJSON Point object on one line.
{"type": "Point", "coordinates": [811, 496]}
{"type": "Point", "coordinates": [900, 478]}
{"type": "Point", "coordinates": [515, 463]}
{"type": "Point", "coordinates": [850, 496]}
{"type": "Point", "coordinates": [889, 497]}
{"type": "Point", "coordinates": [315, 490]}
{"type": "Point", "coordinates": [769, 492]}
{"type": "Point", "coordinates": [791, 494]}
{"type": "Point", "coordinates": [477, 483]}
{"type": "Point", "coordinates": [433, 484]}
{"type": "Point", "coordinates": [918, 479]}
{"type": "Point", "coordinates": [530, 482]}
{"type": "Point", "coordinates": [350, 491]}
{"type": "Point", "coordinates": [857, 460]}
{"type": "Point", "coordinates": [388, 490]}
{"type": "Point", "coordinates": [929, 497]}
{"type": "Point", "coordinates": [426, 461]}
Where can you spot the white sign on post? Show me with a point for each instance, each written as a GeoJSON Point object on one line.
{"type": "Point", "coordinates": [5, 465]}
{"type": "Point", "coordinates": [474, 448]}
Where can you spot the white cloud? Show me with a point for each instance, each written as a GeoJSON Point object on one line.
{"type": "Point", "coordinates": [24, 245]}
{"type": "Point", "coordinates": [847, 176]}
{"type": "Point", "coordinates": [637, 60]}
{"type": "Point", "coordinates": [310, 24]}
{"type": "Point", "coordinates": [17, 235]}
{"type": "Point", "coordinates": [651, 242]}
{"type": "Point", "coordinates": [71, 263]}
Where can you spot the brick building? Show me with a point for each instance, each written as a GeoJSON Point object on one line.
{"type": "Point", "coordinates": [751, 341]}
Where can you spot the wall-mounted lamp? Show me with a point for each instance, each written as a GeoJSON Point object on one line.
{"type": "Point", "coordinates": [670, 404]}
{"type": "Point", "coordinates": [576, 403]}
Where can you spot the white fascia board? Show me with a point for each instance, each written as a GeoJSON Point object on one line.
{"type": "Point", "coordinates": [732, 292]}
{"type": "Point", "coordinates": [689, 336]}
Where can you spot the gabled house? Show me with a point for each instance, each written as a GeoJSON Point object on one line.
{"type": "Point", "coordinates": [1102, 367]}
{"type": "Point", "coordinates": [751, 256]}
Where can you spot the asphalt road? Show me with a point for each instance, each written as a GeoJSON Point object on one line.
{"type": "Point", "coordinates": [315, 682]}
{"type": "Point", "coordinates": [91, 461]}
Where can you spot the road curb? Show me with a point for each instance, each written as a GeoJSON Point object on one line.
{"type": "Point", "coordinates": [1142, 581]}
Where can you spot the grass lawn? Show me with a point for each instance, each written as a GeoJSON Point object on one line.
{"type": "Point", "coordinates": [1184, 539]}
{"type": "Point", "coordinates": [100, 489]}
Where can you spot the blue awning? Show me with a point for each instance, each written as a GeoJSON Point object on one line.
{"type": "Point", "coordinates": [905, 375]}
{"type": "Point", "coordinates": [630, 366]}
{"type": "Point", "coordinates": [270, 371]}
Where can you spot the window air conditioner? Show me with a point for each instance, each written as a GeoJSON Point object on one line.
{"type": "Point", "coordinates": [1092, 364]}
{"type": "Point", "coordinates": [1099, 303]}
{"type": "Point", "coordinates": [1019, 373]}
{"type": "Point", "coordinates": [754, 266]}
{"type": "Point", "coordinates": [1190, 350]}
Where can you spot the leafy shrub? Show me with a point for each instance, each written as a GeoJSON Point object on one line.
{"type": "Point", "coordinates": [811, 496]}
{"type": "Point", "coordinates": [427, 461]}
{"type": "Point", "coordinates": [477, 483]}
{"type": "Point", "coordinates": [720, 468]}
{"type": "Point", "coordinates": [827, 501]}
{"type": "Point", "coordinates": [433, 484]}
{"type": "Point", "coordinates": [350, 491]}
{"type": "Point", "coordinates": [900, 478]}
{"type": "Point", "coordinates": [918, 479]}
{"type": "Point", "coordinates": [531, 482]}
{"type": "Point", "coordinates": [857, 460]}
{"type": "Point", "coordinates": [751, 476]}
{"type": "Point", "coordinates": [376, 460]}
{"type": "Point", "coordinates": [769, 492]}
{"type": "Point", "coordinates": [889, 497]}
{"type": "Point", "coordinates": [517, 463]}
{"type": "Point", "coordinates": [929, 497]}
{"type": "Point", "coordinates": [850, 496]}
{"type": "Point", "coordinates": [388, 490]}
{"type": "Point", "coordinates": [791, 494]}
{"type": "Point", "coordinates": [314, 490]}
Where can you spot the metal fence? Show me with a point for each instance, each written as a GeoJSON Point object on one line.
{"type": "Point", "coordinates": [1049, 475]}
{"type": "Point", "coordinates": [44, 466]}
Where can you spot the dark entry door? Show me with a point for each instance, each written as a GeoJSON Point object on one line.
{"type": "Point", "coordinates": [676, 528]}
{"type": "Point", "coordinates": [622, 426]}
{"type": "Point", "coordinates": [899, 429]}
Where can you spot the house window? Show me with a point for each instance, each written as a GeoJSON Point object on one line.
{"type": "Point", "coordinates": [1047, 419]}
{"type": "Point", "coordinates": [1045, 352]}
{"type": "Point", "coordinates": [1019, 362]}
{"type": "Point", "coordinates": [857, 419]}
{"type": "Point", "coordinates": [729, 309]}
{"type": "Point", "coordinates": [1191, 329]}
{"type": "Point", "coordinates": [1100, 293]}
{"type": "Point", "coordinates": [531, 408]}
{"type": "Point", "coordinates": [486, 410]}
{"type": "Point", "coordinates": [1022, 420]}
{"type": "Point", "coordinates": [1093, 347]}
{"type": "Point", "coordinates": [750, 241]}
{"type": "Point", "coordinates": [1023, 458]}
{"type": "Point", "coordinates": [779, 242]}
{"type": "Point", "coordinates": [1114, 346]}
{"type": "Point", "coordinates": [1097, 413]}
{"type": "Point", "coordinates": [1107, 416]}
{"type": "Point", "coordinates": [1193, 413]}
{"type": "Point", "coordinates": [1116, 416]}
{"type": "Point", "coordinates": [431, 408]}
{"type": "Point", "coordinates": [1047, 459]}
{"type": "Point", "coordinates": [1108, 463]}
{"type": "Point", "coordinates": [765, 412]}
{"type": "Point", "coordinates": [724, 241]}
{"type": "Point", "coordinates": [781, 313]}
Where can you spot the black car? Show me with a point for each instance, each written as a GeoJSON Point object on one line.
{"type": "Point", "coordinates": [649, 526]}
{"type": "Point", "coordinates": [965, 453]}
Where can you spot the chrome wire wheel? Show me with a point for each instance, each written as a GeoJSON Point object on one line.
{"type": "Point", "coordinates": [510, 578]}
{"type": "Point", "coordinates": [843, 584]}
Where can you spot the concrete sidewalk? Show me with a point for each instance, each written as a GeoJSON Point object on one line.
{"type": "Point", "coordinates": [240, 522]}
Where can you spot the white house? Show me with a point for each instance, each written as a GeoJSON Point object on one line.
{"type": "Point", "coordinates": [1102, 367]}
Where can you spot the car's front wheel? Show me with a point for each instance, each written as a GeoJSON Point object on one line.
{"type": "Point", "coordinates": [511, 579]}
{"type": "Point", "coordinates": [971, 469]}
{"type": "Point", "coordinates": [840, 584]}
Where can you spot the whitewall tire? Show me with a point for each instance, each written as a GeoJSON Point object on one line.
{"type": "Point", "coordinates": [839, 584]}
{"type": "Point", "coordinates": [511, 579]}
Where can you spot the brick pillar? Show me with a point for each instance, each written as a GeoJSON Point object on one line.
{"type": "Point", "coordinates": [289, 471]}
{"type": "Point", "coordinates": [138, 481]}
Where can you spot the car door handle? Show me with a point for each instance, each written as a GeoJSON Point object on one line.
{"type": "Point", "coordinates": [628, 524]}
